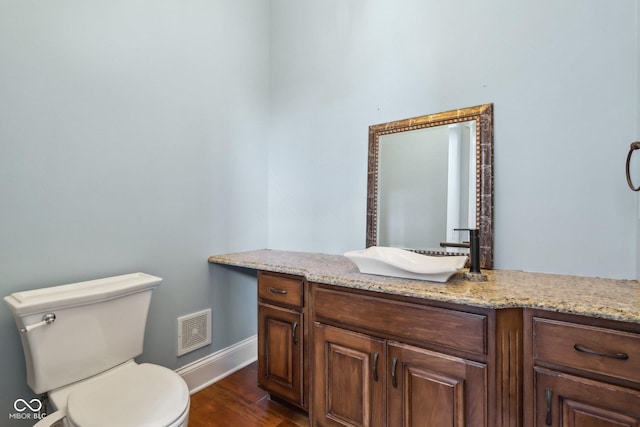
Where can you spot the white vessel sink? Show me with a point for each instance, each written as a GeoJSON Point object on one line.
{"type": "Point", "coordinates": [396, 262]}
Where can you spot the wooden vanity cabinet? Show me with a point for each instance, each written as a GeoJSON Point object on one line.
{"type": "Point", "coordinates": [282, 337]}
{"type": "Point", "coordinates": [431, 388]}
{"type": "Point", "coordinates": [349, 379]}
{"type": "Point", "coordinates": [383, 360]}
{"type": "Point", "coordinates": [580, 371]}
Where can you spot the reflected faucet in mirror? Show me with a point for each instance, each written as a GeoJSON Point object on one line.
{"type": "Point", "coordinates": [438, 167]}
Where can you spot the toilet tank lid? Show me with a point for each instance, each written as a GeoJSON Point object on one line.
{"type": "Point", "coordinates": [91, 291]}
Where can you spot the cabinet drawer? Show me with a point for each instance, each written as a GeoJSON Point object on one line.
{"type": "Point", "coordinates": [589, 348]}
{"type": "Point", "coordinates": [281, 290]}
{"type": "Point", "coordinates": [403, 321]}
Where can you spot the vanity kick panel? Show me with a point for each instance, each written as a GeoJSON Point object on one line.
{"type": "Point", "coordinates": [403, 321]}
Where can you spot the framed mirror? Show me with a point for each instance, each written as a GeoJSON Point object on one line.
{"type": "Point", "coordinates": [428, 176]}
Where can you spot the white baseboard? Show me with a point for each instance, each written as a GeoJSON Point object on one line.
{"type": "Point", "coordinates": [206, 371]}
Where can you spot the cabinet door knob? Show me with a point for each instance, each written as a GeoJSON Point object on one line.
{"type": "Point", "coordinates": [293, 333]}
{"type": "Point", "coordinates": [549, 397]}
{"type": "Point", "coordinates": [619, 356]}
{"type": "Point", "coordinates": [394, 381]}
{"type": "Point", "coordinates": [375, 366]}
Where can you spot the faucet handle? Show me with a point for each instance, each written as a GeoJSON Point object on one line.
{"type": "Point", "coordinates": [471, 230]}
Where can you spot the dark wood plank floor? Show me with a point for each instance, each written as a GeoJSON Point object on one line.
{"type": "Point", "coordinates": [237, 401]}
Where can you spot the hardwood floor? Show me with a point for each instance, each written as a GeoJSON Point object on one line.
{"type": "Point", "coordinates": [237, 401]}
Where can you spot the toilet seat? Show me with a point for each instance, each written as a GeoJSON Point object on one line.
{"type": "Point", "coordinates": [130, 395]}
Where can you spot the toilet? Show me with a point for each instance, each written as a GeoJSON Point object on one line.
{"type": "Point", "coordinates": [80, 341]}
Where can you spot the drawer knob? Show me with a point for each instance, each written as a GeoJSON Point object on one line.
{"type": "Point", "coordinates": [619, 356]}
{"type": "Point", "coordinates": [278, 291]}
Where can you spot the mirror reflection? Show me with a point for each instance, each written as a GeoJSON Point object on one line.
{"type": "Point", "coordinates": [428, 176]}
{"type": "Point", "coordinates": [427, 173]}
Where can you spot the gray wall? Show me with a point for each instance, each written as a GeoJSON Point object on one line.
{"type": "Point", "coordinates": [562, 76]}
{"type": "Point", "coordinates": [132, 138]}
{"type": "Point", "coordinates": [636, 157]}
{"type": "Point", "coordinates": [135, 136]}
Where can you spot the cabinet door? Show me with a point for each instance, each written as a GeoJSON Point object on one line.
{"type": "Point", "coordinates": [280, 351]}
{"type": "Point", "coordinates": [425, 388]}
{"type": "Point", "coordinates": [348, 378]}
{"type": "Point", "coordinates": [569, 401]}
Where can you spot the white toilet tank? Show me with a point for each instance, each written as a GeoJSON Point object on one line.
{"type": "Point", "coordinates": [98, 324]}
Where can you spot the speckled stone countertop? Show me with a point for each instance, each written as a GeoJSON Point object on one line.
{"type": "Point", "coordinates": [588, 296]}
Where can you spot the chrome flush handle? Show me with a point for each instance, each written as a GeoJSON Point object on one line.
{"type": "Point", "coordinates": [46, 320]}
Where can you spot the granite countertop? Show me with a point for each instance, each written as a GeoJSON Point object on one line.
{"type": "Point", "coordinates": [589, 296]}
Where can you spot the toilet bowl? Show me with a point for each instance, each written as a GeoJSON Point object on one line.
{"type": "Point", "coordinates": [129, 395]}
{"type": "Point", "coordinates": [80, 341]}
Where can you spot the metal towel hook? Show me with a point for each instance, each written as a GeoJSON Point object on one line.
{"type": "Point", "coordinates": [634, 146]}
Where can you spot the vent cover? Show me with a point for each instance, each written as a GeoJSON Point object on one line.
{"type": "Point", "coordinates": [194, 331]}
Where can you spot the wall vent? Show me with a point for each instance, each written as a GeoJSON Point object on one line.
{"type": "Point", "coordinates": [194, 331]}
